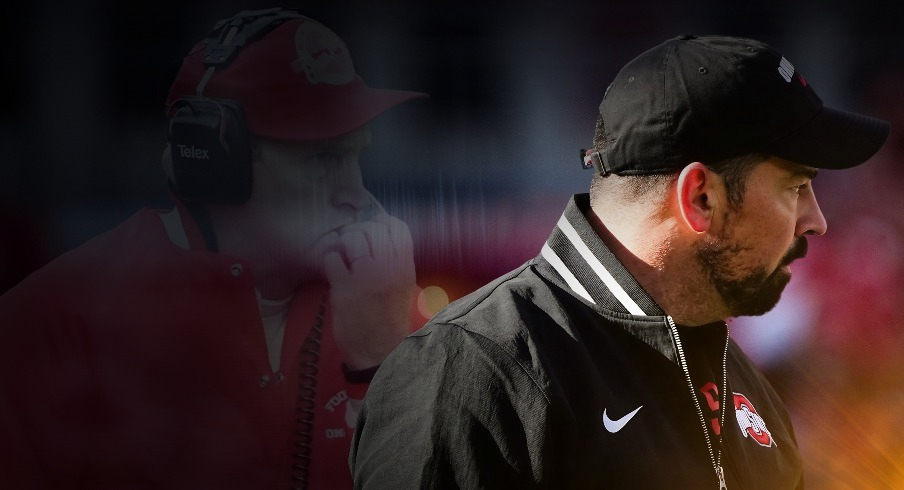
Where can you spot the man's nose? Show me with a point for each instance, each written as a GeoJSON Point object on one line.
{"type": "Point", "coordinates": [348, 187]}
{"type": "Point", "coordinates": [811, 221]}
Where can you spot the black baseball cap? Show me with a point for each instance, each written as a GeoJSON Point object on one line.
{"type": "Point", "coordinates": [707, 98]}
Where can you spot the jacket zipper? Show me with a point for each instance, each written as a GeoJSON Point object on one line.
{"type": "Point", "coordinates": [714, 457]}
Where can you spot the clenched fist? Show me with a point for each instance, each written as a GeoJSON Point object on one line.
{"type": "Point", "coordinates": [372, 284]}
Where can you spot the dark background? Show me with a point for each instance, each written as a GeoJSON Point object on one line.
{"type": "Point", "coordinates": [482, 169]}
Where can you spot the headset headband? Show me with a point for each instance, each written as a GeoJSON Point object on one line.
{"type": "Point", "coordinates": [231, 34]}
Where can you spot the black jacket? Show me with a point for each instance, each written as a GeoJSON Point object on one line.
{"type": "Point", "coordinates": [509, 388]}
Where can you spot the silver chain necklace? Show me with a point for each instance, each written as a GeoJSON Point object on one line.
{"type": "Point", "coordinates": [714, 457]}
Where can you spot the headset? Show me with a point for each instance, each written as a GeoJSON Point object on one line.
{"type": "Point", "coordinates": [210, 145]}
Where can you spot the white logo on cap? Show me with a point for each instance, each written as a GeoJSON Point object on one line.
{"type": "Point", "coordinates": [322, 55]}
{"type": "Point", "coordinates": [785, 69]}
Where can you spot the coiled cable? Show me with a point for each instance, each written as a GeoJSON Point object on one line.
{"type": "Point", "coordinates": [309, 359]}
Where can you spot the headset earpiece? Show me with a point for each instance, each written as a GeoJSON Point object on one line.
{"type": "Point", "coordinates": [209, 141]}
{"type": "Point", "coordinates": [210, 150]}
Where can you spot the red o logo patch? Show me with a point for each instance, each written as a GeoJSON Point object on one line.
{"type": "Point", "coordinates": [322, 55]}
{"type": "Point", "coordinates": [750, 422]}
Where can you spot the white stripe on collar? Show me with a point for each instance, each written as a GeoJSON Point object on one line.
{"type": "Point", "coordinates": [563, 271]}
{"type": "Point", "coordinates": [620, 294]}
{"type": "Point", "coordinates": [172, 222]}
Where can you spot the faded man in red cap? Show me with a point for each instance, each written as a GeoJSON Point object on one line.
{"type": "Point", "coordinates": [227, 342]}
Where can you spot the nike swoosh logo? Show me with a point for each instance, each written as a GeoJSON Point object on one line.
{"type": "Point", "coordinates": [614, 426]}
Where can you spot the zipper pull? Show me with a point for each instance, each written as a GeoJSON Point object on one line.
{"type": "Point", "coordinates": [721, 474]}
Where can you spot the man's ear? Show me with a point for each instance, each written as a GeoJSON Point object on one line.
{"type": "Point", "coordinates": [695, 196]}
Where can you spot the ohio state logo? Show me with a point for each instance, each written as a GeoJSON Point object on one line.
{"type": "Point", "coordinates": [750, 422]}
{"type": "Point", "coordinates": [322, 55]}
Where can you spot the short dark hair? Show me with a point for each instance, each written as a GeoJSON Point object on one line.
{"type": "Point", "coordinates": [734, 172]}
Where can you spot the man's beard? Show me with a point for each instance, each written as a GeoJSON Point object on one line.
{"type": "Point", "coordinates": [745, 290]}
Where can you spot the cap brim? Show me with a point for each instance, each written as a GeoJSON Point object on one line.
{"type": "Point", "coordinates": [833, 139]}
{"type": "Point", "coordinates": [329, 117]}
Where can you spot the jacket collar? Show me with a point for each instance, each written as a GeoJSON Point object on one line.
{"type": "Point", "coordinates": [576, 259]}
{"type": "Point", "coordinates": [182, 229]}
{"type": "Point", "coordinates": [589, 268]}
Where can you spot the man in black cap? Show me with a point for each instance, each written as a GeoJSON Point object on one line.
{"type": "Point", "coordinates": [605, 362]}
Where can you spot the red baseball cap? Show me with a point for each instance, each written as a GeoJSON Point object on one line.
{"type": "Point", "coordinates": [296, 83]}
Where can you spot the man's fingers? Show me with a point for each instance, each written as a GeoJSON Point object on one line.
{"type": "Point", "coordinates": [355, 245]}
{"type": "Point", "coordinates": [379, 242]}
{"type": "Point", "coordinates": [335, 269]}
{"type": "Point", "coordinates": [398, 234]}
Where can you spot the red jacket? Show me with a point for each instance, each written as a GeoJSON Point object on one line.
{"type": "Point", "coordinates": [133, 363]}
